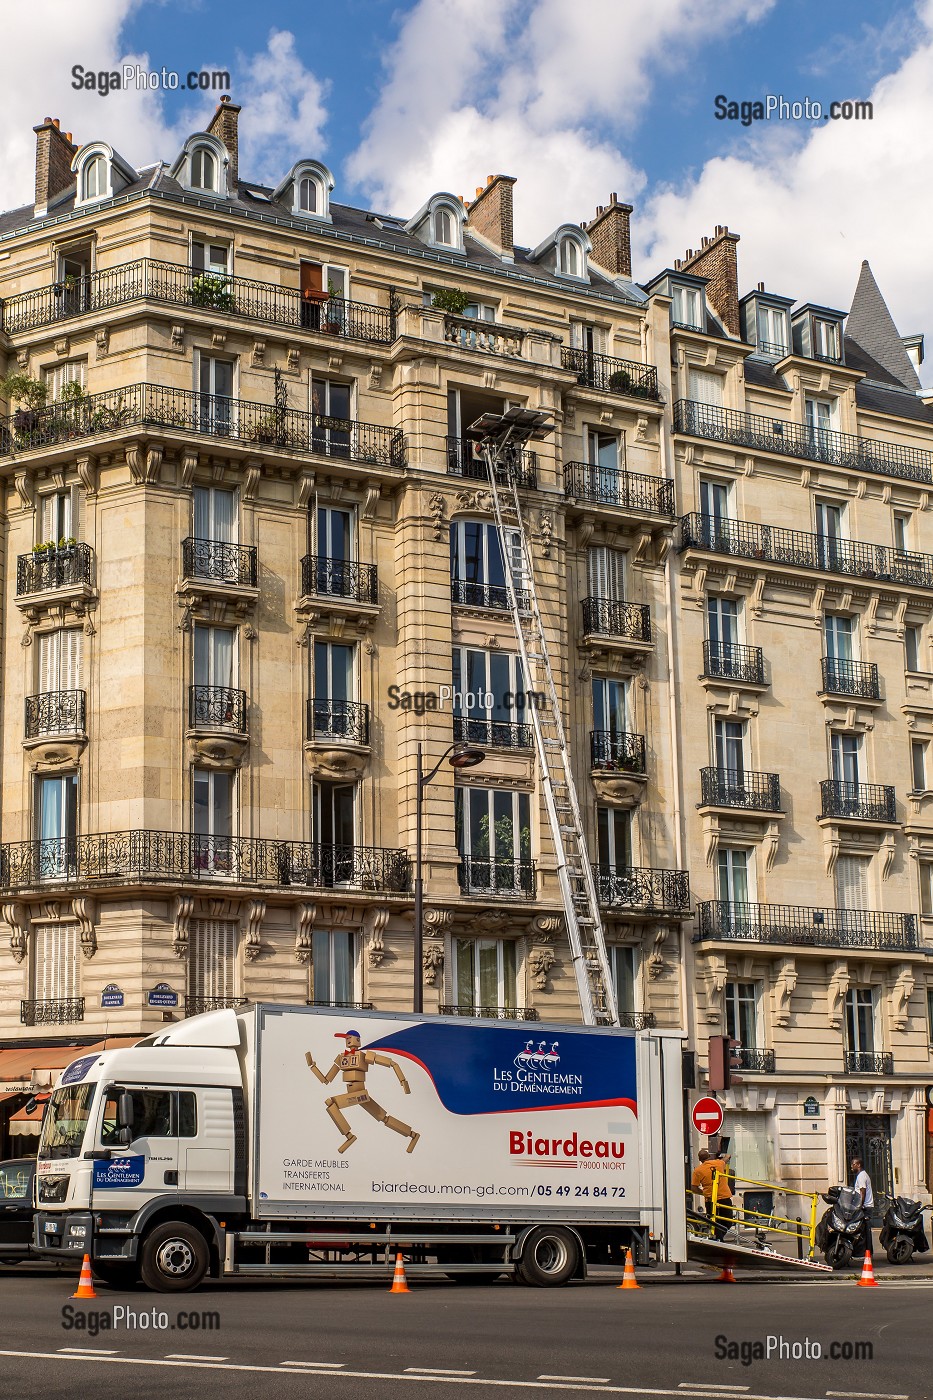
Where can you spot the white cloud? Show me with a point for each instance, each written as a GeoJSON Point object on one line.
{"type": "Point", "coordinates": [283, 110]}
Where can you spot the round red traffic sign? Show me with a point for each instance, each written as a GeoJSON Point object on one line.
{"type": "Point", "coordinates": [707, 1116]}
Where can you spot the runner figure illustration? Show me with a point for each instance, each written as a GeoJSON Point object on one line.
{"type": "Point", "coordinates": [354, 1064]}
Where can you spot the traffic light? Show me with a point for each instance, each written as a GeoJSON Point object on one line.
{"type": "Point", "coordinates": [722, 1060]}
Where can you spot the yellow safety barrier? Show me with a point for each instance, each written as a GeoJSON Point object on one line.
{"type": "Point", "coordinates": [722, 1213]}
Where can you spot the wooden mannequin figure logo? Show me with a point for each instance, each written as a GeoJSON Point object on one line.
{"type": "Point", "coordinates": [354, 1064]}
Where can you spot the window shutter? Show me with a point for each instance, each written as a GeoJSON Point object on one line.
{"type": "Point", "coordinates": [705, 387]}
{"type": "Point", "coordinates": [48, 662]}
{"type": "Point", "coordinates": [70, 672]}
{"type": "Point", "coordinates": [55, 975]}
{"type": "Point", "coordinates": [211, 958]}
{"type": "Point", "coordinates": [852, 882]}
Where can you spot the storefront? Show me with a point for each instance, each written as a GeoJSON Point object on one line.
{"type": "Point", "coordinates": [27, 1072]}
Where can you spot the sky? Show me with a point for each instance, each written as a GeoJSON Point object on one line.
{"type": "Point", "coordinates": [402, 98]}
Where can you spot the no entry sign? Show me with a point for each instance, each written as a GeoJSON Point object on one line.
{"type": "Point", "coordinates": [707, 1116]}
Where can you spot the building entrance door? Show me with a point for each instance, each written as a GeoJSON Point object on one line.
{"type": "Point", "coordinates": [868, 1136]}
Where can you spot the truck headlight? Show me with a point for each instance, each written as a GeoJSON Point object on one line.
{"type": "Point", "coordinates": [79, 1230]}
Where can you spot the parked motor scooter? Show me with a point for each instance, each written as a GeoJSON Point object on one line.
{"type": "Point", "coordinates": [902, 1231]}
{"type": "Point", "coordinates": [843, 1230]}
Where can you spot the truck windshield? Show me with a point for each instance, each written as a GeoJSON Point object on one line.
{"type": "Point", "coordinates": [65, 1121]}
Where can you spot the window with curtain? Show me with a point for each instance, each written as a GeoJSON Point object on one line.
{"type": "Point", "coordinates": [215, 514]}
{"type": "Point", "coordinates": [485, 973]}
{"type": "Point", "coordinates": [493, 832]}
{"type": "Point", "coordinates": [622, 968]}
{"type": "Point", "coordinates": [860, 1021]}
{"type": "Point", "coordinates": [742, 1013]}
{"type": "Point", "coordinates": [333, 966]}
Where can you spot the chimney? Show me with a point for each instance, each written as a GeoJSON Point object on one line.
{"type": "Point", "coordinates": [611, 239]}
{"type": "Point", "coordinates": [716, 260]}
{"type": "Point", "coordinates": [224, 127]}
{"type": "Point", "coordinates": [54, 154]}
{"type": "Point", "coordinates": [490, 213]}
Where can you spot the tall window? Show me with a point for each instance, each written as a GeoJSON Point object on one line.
{"type": "Point", "coordinates": [919, 749]}
{"type": "Point", "coordinates": [614, 838]}
{"type": "Point", "coordinates": [215, 514]}
{"type": "Point", "coordinates": [215, 382]}
{"type": "Point", "coordinates": [819, 416]}
{"type": "Point", "coordinates": [840, 634]}
{"type": "Point", "coordinates": [212, 960]}
{"type": "Point", "coordinates": [55, 962]}
{"type": "Point", "coordinates": [571, 261]}
{"type": "Point", "coordinates": [443, 227]}
{"type": "Point", "coordinates": [59, 660]}
{"type": "Point", "coordinates": [926, 888]}
{"type": "Point", "coordinates": [213, 821]}
{"type": "Point", "coordinates": [830, 532]}
{"type": "Point", "coordinates": [308, 195]}
{"type": "Point", "coordinates": [203, 169]}
{"type": "Point", "coordinates": [489, 696]}
{"type": "Point", "coordinates": [330, 400]}
{"type": "Point", "coordinates": [213, 258]}
{"type": "Point", "coordinates": [610, 705]}
{"type": "Point", "coordinates": [493, 829]}
{"type": "Point", "coordinates": [772, 330]}
{"type": "Point", "coordinates": [902, 531]}
{"type": "Point", "coordinates": [742, 1013]}
{"type": "Point", "coordinates": [57, 823]}
{"type": "Point", "coordinates": [95, 178]}
{"type": "Point", "coordinates": [485, 973]}
{"type": "Point", "coordinates": [913, 648]}
{"type": "Point", "coordinates": [729, 747]}
{"type": "Point", "coordinates": [851, 877]}
{"type": "Point", "coordinates": [605, 568]}
{"type": "Point", "coordinates": [860, 1021]}
{"type": "Point", "coordinates": [603, 462]}
{"type": "Point", "coordinates": [825, 339]}
{"type": "Point", "coordinates": [732, 870]}
{"type": "Point", "coordinates": [333, 830]}
{"type": "Point", "coordinates": [714, 499]}
{"type": "Point", "coordinates": [930, 1014]}
{"type": "Point", "coordinates": [622, 971]}
{"type": "Point", "coordinates": [333, 689]}
{"type": "Point", "coordinates": [477, 569]}
{"type": "Point", "coordinates": [59, 377]}
{"type": "Point", "coordinates": [687, 307]}
{"type": "Point", "coordinates": [845, 750]}
{"type": "Point", "coordinates": [333, 966]}
{"type": "Point", "coordinates": [722, 633]}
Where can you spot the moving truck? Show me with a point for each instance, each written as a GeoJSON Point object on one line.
{"type": "Point", "coordinates": [300, 1141]}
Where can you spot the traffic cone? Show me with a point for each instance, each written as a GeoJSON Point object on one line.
{"type": "Point", "coordinates": [399, 1282]}
{"type": "Point", "coordinates": [85, 1282]}
{"type": "Point", "coordinates": [727, 1276]}
{"type": "Point", "coordinates": [868, 1279]}
{"type": "Point", "coordinates": [628, 1274]}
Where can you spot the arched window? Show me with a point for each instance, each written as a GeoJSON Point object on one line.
{"type": "Point", "coordinates": [570, 257]}
{"type": "Point", "coordinates": [203, 169]}
{"type": "Point", "coordinates": [95, 178]}
{"type": "Point", "coordinates": [308, 195]}
{"type": "Point", "coordinates": [443, 227]}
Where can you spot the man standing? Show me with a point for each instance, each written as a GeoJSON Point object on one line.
{"type": "Point", "coordinates": [862, 1184]}
{"type": "Point", "coordinates": [714, 1169]}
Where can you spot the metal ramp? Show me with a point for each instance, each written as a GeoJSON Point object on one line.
{"type": "Point", "coordinates": [703, 1250]}
{"type": "Point", "coordinates": [502, 438]}
{"type": "Point", "coordinates": [751, 1223]}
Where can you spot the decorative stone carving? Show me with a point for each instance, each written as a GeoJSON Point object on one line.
{"type": "Point", "coordinates": [337, 763]}
{"type": "Point", "coordinates": [85, 914]}
{"type": "Point", "coordinates": [144, 461]}
{"type": "Point", "coordinates": [836, 989]}
{"type": "Point", "coordinates": [624, 790]}
{"type": "Point", "coordinates": [252, 945]}
{"type": "Point", "coordinates": [217, 749]}
{"type": "Point", "coordinates": [715, 988]}
{"type": "Point", "coordinates": [258, 355]}
{"type": "Point", "coordinates": [544, 927]}
{"type": "Point", "coordinates": [23, 483]}
{"type": "Point", "coordinates": [374, 926]}
{"type": "Point", "coordinates": [102, 340]}
{"type": "Point", "coordinates": [546, 527]}
{"type": "Point", "coordinates": [375, 376]}
{"type": "Point", "coordinates": [437, 507]}
{"type": "Point", "coordinates": [540, 962]}
{"type": "Point", "coordinates": [184, 908]}
{"type": "Point", "coordinates": [432, 962]}
{"type": "Point", "coordinates": [490, 921]}
{"type": "Point", "coordinates": [178, 337]}
{"type": "Point", "coordinates": [901, 992]}
{"type": "Point", "coordinates": [88, 473]}
{"type": "Point", "coordinates": [17, 919]}
{"type": "Point", "coordinates": [306, 917]}
{"type": "Point", "coordinates": [438, 921]}
{"type": "Point", "coordinates": [478, 501]}
{"type": "Point", "coordinates": [785, 983]}
{"type": "Point", "coordinates": [50, 753]}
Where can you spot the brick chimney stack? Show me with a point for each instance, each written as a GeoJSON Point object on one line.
{"type": "Point", "coordinates": [490, 213]}
{"type": "Point", "coordinates": [54, 153]}
{"type": "Point", "coordinates": [610, 236]}
{"type": "Point", "coordinates": [224, 125]}
{"type": "Point", "coordinates": [716, 259]}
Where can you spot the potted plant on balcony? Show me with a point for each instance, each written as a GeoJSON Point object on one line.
{"type": "Point", "coordinates": [333, 321]}
{"type": "Point", "coordinates": [209, 290]}
{"type": "Point", "coordinates": [451, 300]}
{"type": "Point", "coordinates": [31, 395]}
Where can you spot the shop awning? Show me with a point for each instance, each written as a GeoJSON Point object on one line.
{"type": "Point", "coordinates": [17, 1067]}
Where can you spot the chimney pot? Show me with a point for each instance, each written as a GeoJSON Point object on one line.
{"type": "Point", "coordinates": [56, 123]}
{"type": "Point", "coordinates": [479, 191]}
{"type": "Point", "coordinates": [489, 179]}
{"type": "Point", "coordinates": [761, 286]}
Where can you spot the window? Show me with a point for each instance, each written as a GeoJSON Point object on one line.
{"type": "Point", "coordinates": [203, 169]}
{"type": "Point", "coordinates": [96, 183]}
{"type": "Point", "coordinates": [614, 838]}
{"type": "Point", "coordinates": [610, 705]}
{"type": "Point", "coordinates": [742, 1013]}
{"type": "Point", "coordinates": [901, 531]}
{"type": "Point", "coordinates": [214, 654]}
{"type": "Point", "coordinates": [58, 657]}
{"type": "Point", "coordinates": [55, 962]}
{"type": "Point", "coordinates": [845, 750]}
{"type": "Point", "coordinates": [930, 1014]}
{"type": "Point", "coordinates": [215, 382]}
{"type": "Point", "coordinates": [819, 415]}
{"type": "Point", "coordinates": [622, 971]}
{"type": "Point", "coordinates": [603, 460]}
{"type": "Point", "coordinates": [584, 336]}
{"type": "Point", "coordinates": [852, 883]}
{"type": "Point", "coordinates": [926, 891]}
{"type": "Point", "coordinates": [485, 973]}
{"type": "Point", "coordinates": [687, 307]}
{"type": "Point", "coordinates": [772, 330]}
{"type": "Point", "coordinates": [333, 826]}
{"type": "Point", "coordinates": [212, 960]}
{"type": "Point", "coordinates": [324, 288]}
{"type": "Point", "coordinates": [477, 568]}
{"type": "Point", "coordinates": [333, 689]}
{"type": "Point", "coordinates": [860, 1021]}
{"type": "Point", "coordinates": [308, 195]}
{"type": "Point", "coordinates": [334, 544]}
{"type": "Point", "coordinates": [732, 870]}
{"type": "Point", "coordinates": [210, 257]}
{"type": "Point", "coordinates": [830, 536]}
{"type": "Point", "coordinates": [913, 648]}
{"type": "Point", "coordinates": [571, 258]}
{"type": "Point", "coordinates": [157, 1113]}
{"type": "Point", "coordinates": [213, 821]}
{"type": "Point", "coordinates": [493, 828]}
{"type": "Point", "coordinates": [918, 764]}
{"type": "Point", "coordinates": [605, 569]}
{"type": "Point", "coordinates": [71, 372]}
{"type": "Point", "coordinates": [722, 624]}
{"type": "Point", "coordinates": [729, 747]}
{"type": "Point", "coordinates": [57, 822]}
{"type": "Point", "coordinates": [330, 402]}
{"type": "Point", "coordinates": [215, 514]}
{"type": "Point", "coordinates": [705, 388]}
{"type": "Point", "coordinates": [825, 339]}
{"type": "Point", "coordinates": [840, 635]}
{"type": "Point", "coordinates": [714, 499]}
{"type": "Point", "coordinates": [55, 517]}
{"type": "Point", "coordinates": [489, 696]}
{"type": "Point", "coordinates": [443, 227]}
{"type": "Point", "coordinates": [333, 966]}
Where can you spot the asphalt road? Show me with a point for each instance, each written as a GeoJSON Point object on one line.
{"type": "Point", "coordinates": [325, 1341]}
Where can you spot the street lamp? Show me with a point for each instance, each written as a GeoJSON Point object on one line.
{"type": "Point", "coordinates": [458, 756]}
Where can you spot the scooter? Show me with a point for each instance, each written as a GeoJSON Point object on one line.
{"type": "Point", "coordinates": [902, 1231]}
{"type": "Point", "coordinates": [843, 1231]}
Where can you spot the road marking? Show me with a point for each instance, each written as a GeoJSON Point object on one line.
{"type": "Point", "coordinates": [584, 1380]}
{"type": "Point", "coordinates": [191, 1356]}
{"type": "Point", "coordinates": [866, 1395]}
{"type": "Point", "coordinates": [87, 1351]}
{"type": "Point", "coordinates": [702, 1385]}
{"type": "Point", "coordinates": [435, 1371]}
{"type": "Point", "coordinates": [328, 1365]}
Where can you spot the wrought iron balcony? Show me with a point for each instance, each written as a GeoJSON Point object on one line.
{"type": "Point", "coordinates": [638, 1020]}
{"type": "Point", "coordinates": [618, 751]}
{"type": "Point", "coordinates": [492, 733]}
{"type": "Point", "coordinates": [804, 927]}
{"type": "Point", "coordinates": [744, 540]}
{"type": "Point", "coordinates": [217, 707]}
{"type": "Point", "coordinates": [775, 348]}
{"type": "Point", "coordinates": [55, 712]}
{"type": "Point", "coordinates": [733, 662]}
{"type": "Point", "coordinates": [189, 412]}
{"type": "Point", "coordinates": [607, 486]}
{"type": "Point", "coordinates": [867, 802]}
{"type": "Point", "coordinates": [59, 567]}
{"type": "Point", "coordinates": [755, 1061]}
{"type": "Point", "coordinates": [604, 617]}
{"type": "Point", "coordinates": [195, 1005]}
{"type": "Point", "coordinates": [180, 285]}
{"type": "Point", "coordinates": [490, 1013]}
{"type": "Point", "coordinates": [485, 595]}
{"type": "Point", "coordinates": [855, 678]}
{"type": "Point", "coordinates": [345, 1005]}
{"type": "Point", "coordinates": [464, 458]}
{"type": "Point", "coordinates": [868, 1062]}
{"type": "Point", "coordinates": [505, 877]}
{"type": "Point", "coordinates": [609, 375]}
{"type": "Point", "coordinates": [144, 857]}
{"type": "Point", "coordinates": [729, 787]}
{"type": "Point", "coordinates": [338, 721]}
{"type": "Point", "coordinates": [219, 561]}
{"type": "Point", "coordinates": [752, 431]}
{"type": "Point", "coordinates": [60, 1011]}
{"type": "Point", "coordinates": [339, 578]}
{"type": "Point", "coordinates": [640, 888]}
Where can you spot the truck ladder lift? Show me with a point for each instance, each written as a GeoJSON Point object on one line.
{"type": "Point", "coordinates": [503, 438]}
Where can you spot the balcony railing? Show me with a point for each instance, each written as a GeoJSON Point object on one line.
{"type": "Point", "coordinates": [219, 561]}
{"type": "Point", "coordinates": [638, 1020]}
{"type": "Point", "coordinates": [727, 787]}
{"type": "Point", "coordinates": [505, 877]}
{"type": "Point", "coordinates": [492, 733]}
{"type": "Point", "coordinates": [855, 678]}
{"type": "Point", "coordinates": [607, 486]}
{"type": "Point", "coordinates": [179, 285]}
{"type": "Point", "coordinates": [755, 1061]}
{"type": "Point", "coordinates": [490, 336]}
{"type": "Point", "coordinates": [217, 707]}
{"type": "Point", "coordinates": [604, 617]}
{"type": "Point", "coordinates": [485, 595]}
{"type": "Point", "coordinates": [618, 751]}
{"type": "Point", "coordinates": [55, 712]}
{"type": "Point", "coordinates": [339, 578]}
{"type": "Point", "coordinates": [609, 375]}
{"type": "Point", "coordinates": [867, 802]}
{"type": "Point", "coordinates": [134, 857]}
{"type": "Point", "coordinates": [338, 721]}
{"type": "Point", "coordinates": [813, 928]}
{"type": "Point", "coordinates": [464, 458]}
{"type": "Point", "coordinates": [868, 1062]}
{"type": "Point", "coordinates": [60, 1011]}
{"type": "Point", "coordinates": [733, 662]}
{"type": "Point", "coordinates": [62, 567]}
{"type": "Point", "coordinates": [195, 1005]}
{"type": "Point", "coordinates": [258, 425]}
{"type": "Point", "coordinates": [640, 888]}
{"type": "Point", "coordinates": [490, 1013]}
{"type": "Point", "coordinates": [752, 431]}
{"type": "Point", "coordinates": [744, 540]}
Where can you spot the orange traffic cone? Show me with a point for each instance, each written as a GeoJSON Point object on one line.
{"type": "Point", "coordinates": [399, 1282]}
{"type": "Point", "coordinates": [628, 1273]}
{"type": "Point", "coordinates": [868, 1279]}
{"type": "Point", "coordinates": [85, 1282]}
{"type": "Point", "coordinates": [727, 1276]}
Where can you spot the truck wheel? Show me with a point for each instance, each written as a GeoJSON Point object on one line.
{"type": "Point", "coordinates": [550, 1256]}
{"type": "Point", "coordinates": [117, 1273]}
{"type": "Point", "coordinates": [174, 1258]}
{"type": "Point", "coordinates": [900, 1251]}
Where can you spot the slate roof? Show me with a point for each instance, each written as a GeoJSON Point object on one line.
{"type": "Point", "coordinates": [871, 328]}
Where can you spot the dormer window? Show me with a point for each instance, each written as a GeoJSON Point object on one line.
{"type": "Point", "coordinates": [772, 330]}
{"type": "Point", "coordinates": [203, 164]}
{"type": "Point", "coordinates": [308, 199]}
{"type": "Point", "coordinates": [687, 307]}
{"type": "Point", "coordinates": [565, 252]}
{"type": "Point", "coordinates": [443, 228]}
{"type": "Point", "coordinates": [570, 260]}
{"type": "Point", "coordinates": [100, 172]}
{"type": "Point", "coordinates": [439, 223]}
{"type": "Point", "coordinates": [825, 340]}
{"type": "Point", "coordinates": [817, 333]}
{"type": "Point", "coordinates": [95, 181]}
{"type": "Point", "coordinates": [307, 188]}
{"type": "Point", "coordinates": [203, 169]}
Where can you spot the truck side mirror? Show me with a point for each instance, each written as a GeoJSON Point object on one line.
{"type": "Point", "coordinates": [125, 1117]}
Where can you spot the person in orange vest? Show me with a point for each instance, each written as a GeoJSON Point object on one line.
{"type": "Point", "coordinates": [716, 1169]}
